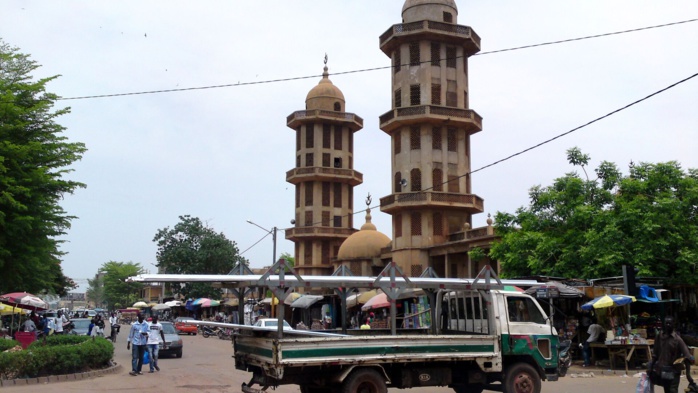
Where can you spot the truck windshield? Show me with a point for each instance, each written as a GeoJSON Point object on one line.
{"type": "Point", "coordinates": [523, 309]}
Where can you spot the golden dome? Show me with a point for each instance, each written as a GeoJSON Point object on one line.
{"type": "Point", "coordinates": [325, 95]}
{"type": "Point", "coordinates": [364, 244]}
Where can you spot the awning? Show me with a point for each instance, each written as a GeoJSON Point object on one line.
{"type": "Point", "coordinates": [231, 302]}
{"type": "Point", "coordinates": [562, 289]}
{"type": "Point", "coordinates": [306, 301]}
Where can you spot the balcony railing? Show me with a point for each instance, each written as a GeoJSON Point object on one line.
{"type": "Point", "coordinates": [433, 27]}
{"type": "Point", "coordinates": [467, 118]}
{"type": "Point", "coordinates": [470, 202]}
{"type": "Point", "coordinates": [319, 113]}
{"type": "Point", "coordinates": [318, 232]}
{"type": "Point", "coordinates": [296, 175]}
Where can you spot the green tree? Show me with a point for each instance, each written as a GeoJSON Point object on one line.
{"type": "Point", "coordinates": [289, 259]}
{"type": "Point", "coordinates": [34, 158]}
{"type": "Point", "coordinates": [191, 247]}
{"type": "Point", "coordinates": [586, 228]}
{"type": "Point", "coordinates": [95, 290]}
{"type": "Point", "coordinates": [117, 290]}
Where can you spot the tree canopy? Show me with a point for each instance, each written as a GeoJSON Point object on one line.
{"type": "Point", "coordinates": [115, 291]}
{"type": "Point", "coordinates": [34, 159]}
{"type": "Point", "coordinates": [191, 247]}
{"type": "Point", "coordinates": [584, 228]}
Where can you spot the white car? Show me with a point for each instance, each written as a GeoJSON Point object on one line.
{"type": "Point", "coordinates": [271, 323]}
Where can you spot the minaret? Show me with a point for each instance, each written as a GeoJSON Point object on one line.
{"type": "Point", "coordinates": [430, 124]}
{"type": "Point", "coordinates": [324, 177]}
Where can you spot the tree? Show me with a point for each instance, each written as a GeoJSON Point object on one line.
{"type": "Point", "coordinates": [589, 228]}
{"type": "Point", "coordinates": [191, 247]}
{"type": "Point", "coordinates": [290, 260]}
{"type": "Point", "coordinates": [34, 158]}
{"type": "Point", "coordinates": [117, 290]}
{"type": "Point", "coordinates": [95, 290]}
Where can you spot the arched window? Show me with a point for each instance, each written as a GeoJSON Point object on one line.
{"type": "Point", "coordinates": [437, 179]}
{"type": "Point", "coordinates": [416, 179]}
{"type": "Point", "coordinates": [398, 179]}
{"type": "Point", "coordinates": [337, 107]}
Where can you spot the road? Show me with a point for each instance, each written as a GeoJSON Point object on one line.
{"type": "Point", "coordinates": [207, 367]}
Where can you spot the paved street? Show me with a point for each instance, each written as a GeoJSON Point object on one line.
{"type": "Point", "coordinates": [207, 366]}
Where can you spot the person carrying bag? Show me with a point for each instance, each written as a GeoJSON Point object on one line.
{"type": "Point", "coordinates": [664, 369]}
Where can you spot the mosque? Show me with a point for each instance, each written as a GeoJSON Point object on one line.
{"type": "Point", "coordinates": [430, 124]}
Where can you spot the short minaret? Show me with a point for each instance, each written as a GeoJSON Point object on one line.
{"type": "Point", "coordinates": [430, 125]}
{"type": "Point", "coordinates": [324, 177]}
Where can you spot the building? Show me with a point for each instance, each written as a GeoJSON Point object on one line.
{"type": "Point", "coordinates": [430, 125]}
{"type": "Point", "coordinates": [324, 177]}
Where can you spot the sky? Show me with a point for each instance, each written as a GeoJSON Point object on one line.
{"type": "Point", "coordinates": [221, 154]}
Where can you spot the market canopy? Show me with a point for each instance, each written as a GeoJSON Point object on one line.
{"type": "Point", "coordinates": [24, 300]}
{"type": "Point", "coordinates": [608, 301]}
{"type": "Point", "coordinates": [555, 286]}
{"type": "Point", "coordinates": [161, 306]}
{"type": "Point", "coordinates": [306, 301]}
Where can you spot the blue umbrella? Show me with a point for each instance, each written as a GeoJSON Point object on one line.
{"type": "Point", "coordinates": [608, 301]}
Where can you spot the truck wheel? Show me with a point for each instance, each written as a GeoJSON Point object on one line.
{"type": "Point", "coordinates": [468, 388]}
{"type": "Point", "coordinates": [521, 378]}
{"type": "Point", "coordinates": [364, 381]}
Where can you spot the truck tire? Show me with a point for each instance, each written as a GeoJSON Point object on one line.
{"type": "Point", "coordinates": [521, 378]}
{"type": "Point", "coordinates": [364, 380]}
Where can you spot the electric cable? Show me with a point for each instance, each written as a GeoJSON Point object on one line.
{"type": "Point", "coordinates": [369, 69]}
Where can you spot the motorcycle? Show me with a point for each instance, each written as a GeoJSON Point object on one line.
{"type": "Point", "coordinates": [225, 334]}
{"type": "Point", "coordinates": [564, 357]}
{"type": "Point", "coordinates": [208, 331]}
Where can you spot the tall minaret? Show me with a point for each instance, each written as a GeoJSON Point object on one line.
{"type": "Point", "coordinates": [324, 177]}
{"type": "Point", "coordinates": [430, 124]}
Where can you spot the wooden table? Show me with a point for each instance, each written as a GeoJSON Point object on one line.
{"type": "Point", "coordinates": [626, 351]}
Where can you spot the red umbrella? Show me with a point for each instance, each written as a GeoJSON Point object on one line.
{"type": "Point", "coordinates": [24, 300]}
{"type": "Point", "coordinates": [378, 301]}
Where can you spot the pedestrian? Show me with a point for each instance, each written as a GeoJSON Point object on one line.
{"type": "Point", "coordinates": [595, 331]}
{"type": "Point", "coordinates": [30, 326]}
{"type": "Point", "coordinates": [114, 324]}
{"type": "Point", "coordinates": [155, 333]}
{"type": "Point", "coordinates": [139, 337]}
{"type": "Point", "coordinates": [60, 321]}
{"type": "Point", "coordinates": [668, 347]}
{"type": "Point", "coordinates": [366, 325]}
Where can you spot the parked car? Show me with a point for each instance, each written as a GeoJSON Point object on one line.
{"type": "Point", "coordinates": [80, 326]}
{"type": "Point", "coordinates": [182, 327]}
{"type": "Point", "coordinates": [173, 344]}
{"type": "Point", "coordinates": [271, 323]}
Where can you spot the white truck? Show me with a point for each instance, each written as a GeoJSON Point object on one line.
{"type": "Point", "coordinates": [481, 337]}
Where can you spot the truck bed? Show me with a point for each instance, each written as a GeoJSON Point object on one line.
{"type": "Point", "coordinates": [273, 354]}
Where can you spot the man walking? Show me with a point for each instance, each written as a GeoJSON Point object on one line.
{"type": "Point", "coordinates": [60, 321]}
{"type": "Point", "coordinates": [668, 347]}
{"type": "Point", "coordinates": [138, 336]}
{"type": "Point", "coordinates": [155, 333]}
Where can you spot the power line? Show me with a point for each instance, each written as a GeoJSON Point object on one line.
{"type": "Point", "coordinates": [404, 197]}
{"type": "Point", "coordinates": [368, 69]}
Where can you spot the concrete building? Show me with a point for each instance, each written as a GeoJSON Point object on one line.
{"type": "Point", "coordinates": [324, 177]}
{"type": "Point", "coordinates": [430, 125]}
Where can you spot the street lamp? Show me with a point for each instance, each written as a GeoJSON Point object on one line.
{"type": "Point", "coordinates": [273, 235]}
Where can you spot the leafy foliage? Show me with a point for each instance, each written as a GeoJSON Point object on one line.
{"type": "Point", "coordinates": [590, 228]}
{"type": "Point", "coordinates": [56, 355]}
{"type": "Point", "coordinates": [191, 247]}
{"type": "Point", "coordinates": [116, 290]}
{"type": "Point", "coordinates": [34, 158]}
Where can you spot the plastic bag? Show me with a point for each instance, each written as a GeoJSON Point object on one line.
{"type": "Point", "coordinates": [643, 384]}
{"type": "Point", "coordinates": [146, 357]}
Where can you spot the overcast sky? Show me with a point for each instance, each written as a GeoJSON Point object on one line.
{"type": "Point", "coordinates": [222, 154]}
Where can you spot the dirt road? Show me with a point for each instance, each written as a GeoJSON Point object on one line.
{"type": "Point", "coordinates": [207, 367]}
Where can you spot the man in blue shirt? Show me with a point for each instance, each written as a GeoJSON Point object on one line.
{"type": "Point", "coordinates": [139, 337]}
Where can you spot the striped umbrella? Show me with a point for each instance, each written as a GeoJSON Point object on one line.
{"type": "Point", "coordinates": [608, 301]}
